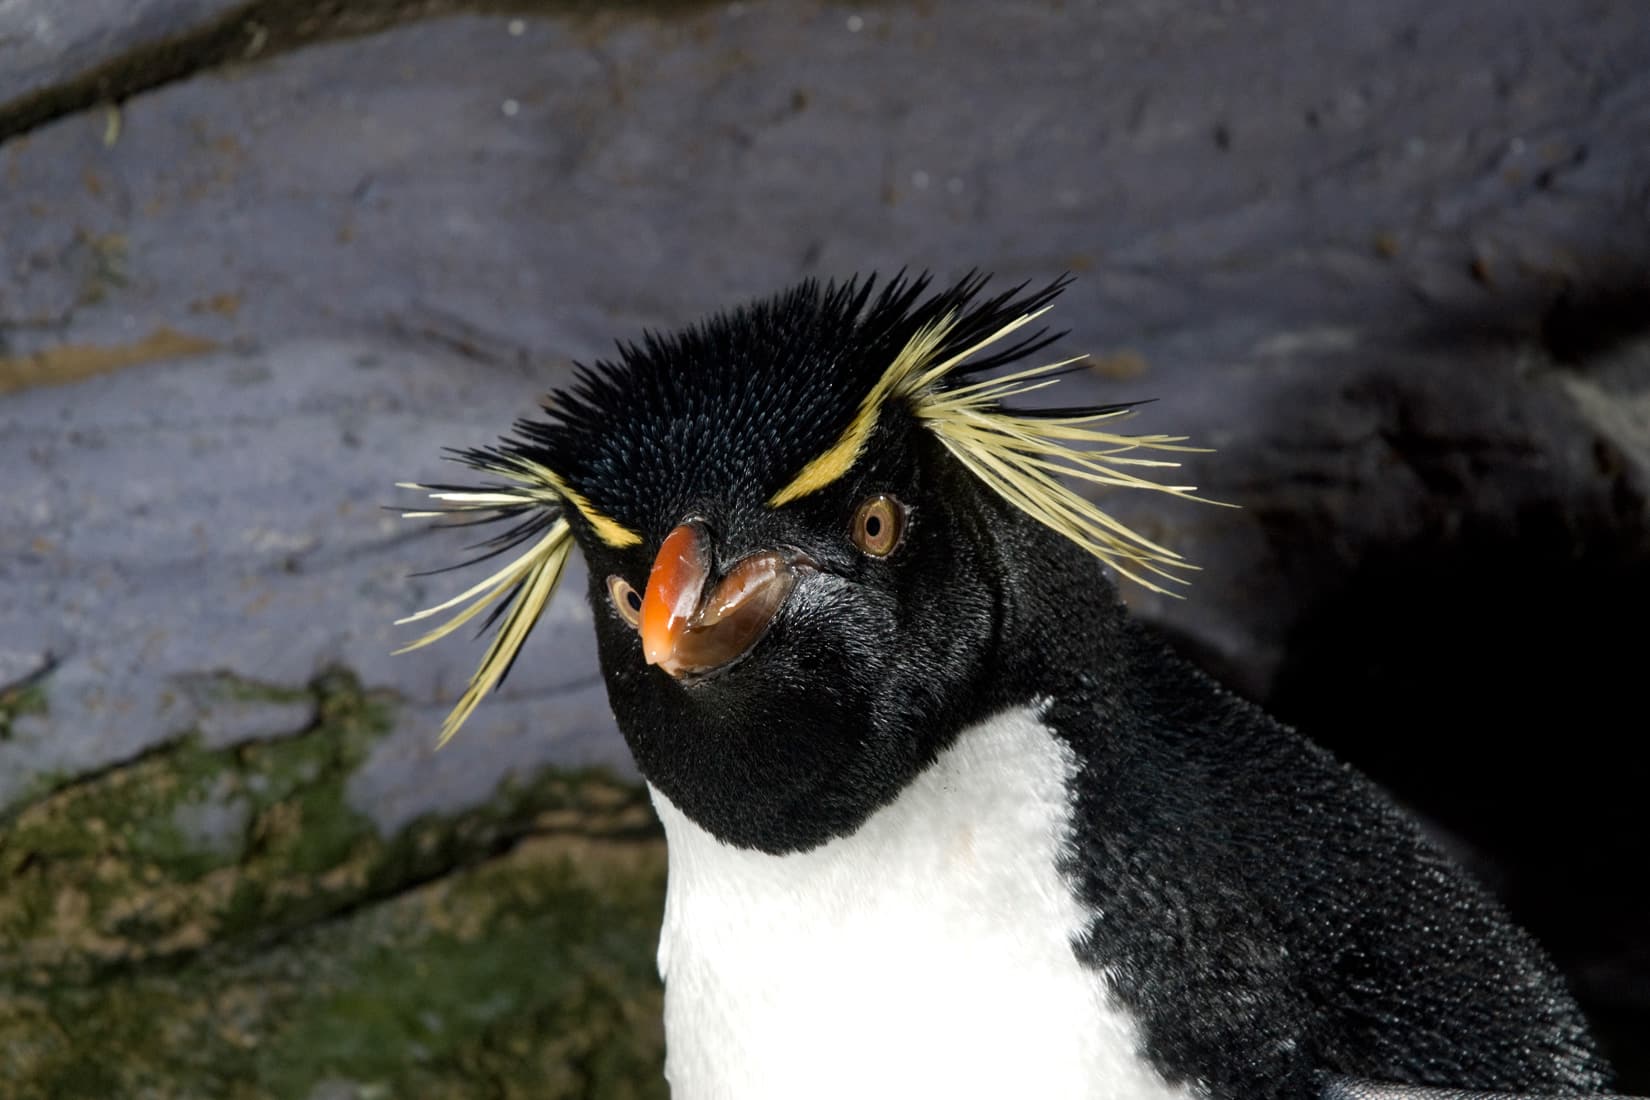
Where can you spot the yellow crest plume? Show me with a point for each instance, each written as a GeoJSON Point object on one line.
{"type": "Point", "coordinates": [519, 591]}
{"type": "Point", "coordinates": [1020, 454]}
{"type": "Point", "coordinates": [948, 345]}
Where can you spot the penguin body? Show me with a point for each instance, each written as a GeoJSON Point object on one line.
{"type": "Point", "coordinates": [1267, 915]}
{"type": "Point", "coordinates": [927, 953]}
{"type": "Point", "coordinates": [942, 819]}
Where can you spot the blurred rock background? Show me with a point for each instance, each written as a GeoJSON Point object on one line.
{"type": "Point", "coordinates": [261, 260]}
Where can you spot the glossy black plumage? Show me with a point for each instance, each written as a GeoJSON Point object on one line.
{"type": "Point", "coordinates": [1265, 913]}
{"type": "Point", "coordinates": [733, 407]}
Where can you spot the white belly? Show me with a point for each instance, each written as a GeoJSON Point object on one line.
{"type": "Point", "coordinates": [928, 954]}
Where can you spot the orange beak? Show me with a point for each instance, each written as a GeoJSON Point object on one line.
{"type": "Point", "coordinates": [673, 587]}
{"type": "Point", "coordinates": [688, 625]}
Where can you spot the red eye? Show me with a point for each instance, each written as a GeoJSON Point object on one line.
{"type": "Point", "coordinates": [879, 525]}
{"type": "Point", "coordinates": [626, 600]}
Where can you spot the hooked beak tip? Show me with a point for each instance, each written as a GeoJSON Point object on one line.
{"type": "Point", "coordinates": [673, 590]}
{"type": "Point", "coordinates": [689, 625]}
{"type": "Point", "coordinates": [656, 652]}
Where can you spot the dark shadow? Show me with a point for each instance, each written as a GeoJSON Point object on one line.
{"type": "Point", "coordinates": [1497, 683]}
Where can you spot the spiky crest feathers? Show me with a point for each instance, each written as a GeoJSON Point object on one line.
{"type": "Point", "coordinates": [945, 344]}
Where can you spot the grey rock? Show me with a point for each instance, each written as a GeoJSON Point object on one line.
{"type": "Point", "coordinates": [228, 712]}
{"type": "Point", "coordinates": [45, 43]}
{"type": "Point", "coordinates": [213, 822]}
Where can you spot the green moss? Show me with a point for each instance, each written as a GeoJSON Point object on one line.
{"type": "Point", "coordinates": [227, 685]}
{"type": "Point", "coordinates": [535, 970]}
{"type": "Point", "coordinates": [147, 949]}
{"type": "Point", "coordinates": [190, 845]}
{"type": "Point", "coordinates": [528, 975]}
{"type": "Point", "coordinates": [231, 688]}
{"type": "Point", "coordinates": [108, 869]}
{"type": "Point", "coordinates": [105, 265]}
{"type": "Point", "coordinates": [16, 702]}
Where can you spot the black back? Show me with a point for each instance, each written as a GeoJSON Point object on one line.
{"type": "Point", "coordinates": [1268, 915]}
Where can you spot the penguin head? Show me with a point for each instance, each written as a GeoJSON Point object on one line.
{"type": "Point", "coordinates": [779, 672]}
{"type": "Point", "coordinates": [793, 516]}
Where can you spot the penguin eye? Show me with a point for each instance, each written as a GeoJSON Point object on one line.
{"type": "Point", "coordinates": [626, 600]}
{"type": "Point", "coordinates": [879, 525]}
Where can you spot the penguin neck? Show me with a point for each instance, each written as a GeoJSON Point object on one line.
{"type": "Point", "coordinates": [1060, 621]}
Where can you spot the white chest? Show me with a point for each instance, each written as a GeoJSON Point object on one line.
{"type": "Point", "coordinates": [928, 954]}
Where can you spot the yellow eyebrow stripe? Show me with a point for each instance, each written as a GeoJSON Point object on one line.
{"type": "Point", "coordinates": [835, 462]}
{"type": "Point", "coordinates": [840, 457]}
{"type": "Point", "coordinates": [1020, 457]}
{"type": "Point", "coordinates": [608, 529]}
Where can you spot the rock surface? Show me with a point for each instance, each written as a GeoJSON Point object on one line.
{"type": "Point", "coordinates": [1390, 261]}
{"type": "Point", "coordinates": [45, 46]}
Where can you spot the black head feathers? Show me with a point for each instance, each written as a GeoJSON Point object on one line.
{"type": "Point", "coordinates": [771, 402]}
{"type": "Point", "coordinates": [743, 401]}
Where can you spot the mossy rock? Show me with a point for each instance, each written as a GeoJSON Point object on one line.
{"type": "Point", "coordinates": [529, 975]}
{"type": "Point", "coordinates": [221, 923]}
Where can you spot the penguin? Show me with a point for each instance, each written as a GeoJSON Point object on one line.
{"type": "Point", "coordinates": [942, 819]}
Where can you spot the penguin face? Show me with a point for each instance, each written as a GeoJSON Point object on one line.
{"type": "Point", "coordinates": [793, 517]}
{"type": "Point", "coordinates": [821, 650]}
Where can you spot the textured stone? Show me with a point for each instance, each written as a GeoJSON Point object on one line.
{"type": "Point", "coordinates": [220, 923]}
{"type": "Point", "coordinates": [46, 44]}
{"type": "Point", "coordinates": [529, 975]}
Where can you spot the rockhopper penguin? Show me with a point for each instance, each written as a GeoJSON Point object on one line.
{"type": "Point", "coordinates": [943, 821]}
